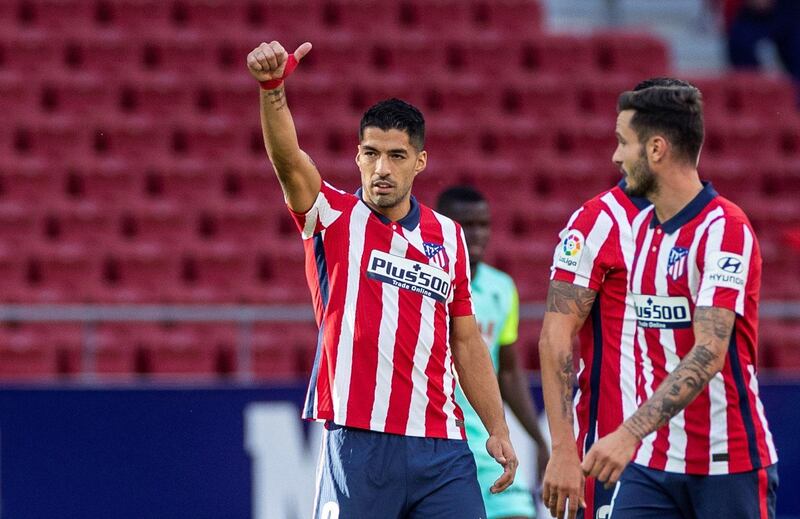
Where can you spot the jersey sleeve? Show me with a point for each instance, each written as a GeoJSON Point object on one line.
{"type": "Point", "coordinates": [327, 208]}
{"type": "Point", "coordinates": [510, 331]}
{"type": "Point", "coordinates": [726, 265]}
{"type": "Point", "coordinates": [582, 254]}
{"type": "Point", "coordinates": [461, 304]}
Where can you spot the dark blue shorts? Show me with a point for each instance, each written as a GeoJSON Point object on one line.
{"type": "Point", "coordinates": [366, 475]}
{"type": "Point", "coordinates": [598, 501]}
{"type": "Point", "coordinates": [645, 493]}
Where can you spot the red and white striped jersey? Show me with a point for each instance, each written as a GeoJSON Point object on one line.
{"type": "Point", "coordinates": [383, 295]}
{"type": "Point", "coordinates": [706, 255]}
{"type": "Point", "coordinates": [596, 252]}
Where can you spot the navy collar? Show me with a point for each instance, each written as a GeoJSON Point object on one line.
{"type": "Point", "coordinates": [691, 210]}
{"type": "Point", "coordinates": [640, 202]}
{"type": "Point", "coordinates": [409, 222]}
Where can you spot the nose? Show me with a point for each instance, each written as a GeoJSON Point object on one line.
{"type": "Point", "coordinates": [382, 166]}
{"type": "Point", "coordinates": [615, 158]}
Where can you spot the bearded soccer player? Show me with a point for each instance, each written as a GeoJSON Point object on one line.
{"type": "Point", "coordinates": [497, 312]}
{"type": "Point", "coordinates": [389, 280]}
{"type": "Point", "coordinates": [700, 443]}
{"type": "Point", "coordinates": [588, 298]}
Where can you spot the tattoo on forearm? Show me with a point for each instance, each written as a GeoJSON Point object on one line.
{"type": "Point", "coordinates": [713, 322]}
{"type": "Point", "coordinates": [277, 98]}
{"type": "Point", "coordinates": [566, 298]}
{"type": "Point", "coordinates": [675, 393]}
{"type": "Point", "coordinates": [565, 377]}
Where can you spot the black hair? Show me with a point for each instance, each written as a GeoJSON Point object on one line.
{"type": "Point", "coordinates": [662, 81]}
{"type": "Point", "coordinates": [670, 107]}
{"type": "Point", "coordinates": [457, 194]}
{"type": "Point", "coordinates": [395, 114]}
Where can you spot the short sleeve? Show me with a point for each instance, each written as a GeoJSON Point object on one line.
{"type": "Point", "coordinates": [510, 331]}
{"type": "Point", "coordinates": [327, 208]}
{"type": "Point", "coordinates": [726, 265]}
{"type": "Point", "coordinates": [461, 304]}
{"type": "Point", "coordinates": [586, 245]}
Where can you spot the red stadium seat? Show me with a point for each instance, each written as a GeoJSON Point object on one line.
{"type": "Point", "coordinates": [19, 223]}
{"type": "Point", "coordinates": [412, 54]}
{"type": "Point", "coordinates": [140, 273]}
{"type": "Point", "coordinates": [56, 16]}
{"type": "Point", "coordinates": [77, 95]}
{"type": "Point", "coordinates": [638, 54]}
{"type": "Point", "coordinates": [114, 349]}
{"type": "Point", "coordinates": [599, 98]}
{"type": "Point", "coordinates": [29, 52]}
{"type": "Point", "coordinates": [206, 138]}
{"type": "Point", "coordinates": [179, 351]}
{"type": "Point", "coordinates": [17, 98]}
{"type": "Point", "coordinates": [214, 16]}
{"type": "Point", "coordinates": [340, 54]}
{"type": "Point", "coordinates": [283, 351]}
{"type": "Point", "coordinates": [541, 97]}
{"type": "Point", "coordinates": [26, 354]}
{"type": "Point", "coordinates": [509, 16]}
{"type": "Point", "coordinates": [290, 17]}
{"type": "Point", "coordinates": [435, 16]}
{"type": "Point", "coordinates": [55, 137]}
{"type": "Point", "coordinates": [132, 138]}
{"type": "Point", "coordinates": [242, 224]}
{"type": "Point", "coordinates": [181, 182]}
{"type": "Point", "coordinates": [135, 16]}
{"type": "Point", "coordinates": [62, 274]}
{"type": "Point", "coordinates": [30, 180]}
{"type": "Point", "coordinates": [83, 223]}
{"type": "Point", "coordinates": [528, 343]}
{"type": "Point", "coordinates": [760, 95]}
{"type": "Point", "coordinates": [155, 95]}
{"type": "Point", "coordinates": [738, 137]}
{"type": "Point", "coordinates": [105, 181]}
{"type": "Point", "coordinates": [218, 274]}
{"type": "Point", "coordinates": [13, 274]}
{"type": "Point", "coordinates": [158, 222]}
{"type": "Point", "coordinates": [494, 56]}
{"type": "Point", "coordinates": [560, 54]}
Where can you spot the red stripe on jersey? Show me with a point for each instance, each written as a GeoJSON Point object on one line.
{"type": "Point", "coordinates": [404, 349]}
{"type": "Point", "coordinates": [365, 343]}
{"type": "Point", "coordinates": [435, 418]}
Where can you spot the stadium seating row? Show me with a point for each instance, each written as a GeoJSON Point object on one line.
{"type": "Point", "coordinates": [232, 16]}
{"type": "Point", "coordinates": [276, 350]}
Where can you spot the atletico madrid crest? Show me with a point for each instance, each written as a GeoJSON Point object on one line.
{"type": "Point", "coordinates": [436, 254]}
{"type": "Point", "coordinates": [676, 263]}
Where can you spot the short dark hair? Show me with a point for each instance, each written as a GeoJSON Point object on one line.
{"type": "Point", "coordinates": [662, 81]}
{"type": "Point", "coordinates": [396, 114]}
{"type": "Point", "coordinates": [457, 194]}
{"type": "Point", "coordinates": [676, 112]}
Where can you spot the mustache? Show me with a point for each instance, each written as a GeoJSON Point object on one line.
{"type": "Point", "coordinates": [383, 181]}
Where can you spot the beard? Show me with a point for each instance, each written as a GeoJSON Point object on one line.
{"type": "Point", "coordinates": [390, 200]}
{"type": "Point", "coordinates": [644, 178]}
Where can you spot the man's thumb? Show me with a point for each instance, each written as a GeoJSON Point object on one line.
{"type": "Point", "coordinates": [302, 50]}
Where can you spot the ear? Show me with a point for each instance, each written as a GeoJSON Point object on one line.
{"type": "Point", "coordinates": [422, 162]}
{"type": "Point", "coordinates": [657, 147]}
{"type": "Point", "coordinates": [358, 153]}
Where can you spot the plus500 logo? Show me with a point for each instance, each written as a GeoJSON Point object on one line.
{"type": "Point", "coordinates": [662, 312]}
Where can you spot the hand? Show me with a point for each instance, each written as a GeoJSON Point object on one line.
{"type": "Point", "coordinates": [563, 480]}
{"type": "Point", "coordinates": [609, 456]}
{"type": "Point", "coordinates": [501, 450]}
{"type": "Point", "coordinates": [268, 60]}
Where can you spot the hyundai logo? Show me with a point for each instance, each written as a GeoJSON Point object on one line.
{"type": "Point", "coordinates": [730, 264]}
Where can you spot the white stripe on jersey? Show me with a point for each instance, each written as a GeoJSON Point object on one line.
{"type": "Point", "coordinates": [451, 247]}
{"type": "Point", "coordinates": [693, 270]}
{"type": "Point", "coordinates": [773, 454]}
{"type": "Point", "coordinates": [594, 242]}
{"type": "Point", "coordinates": [718, 421]}
{"type": "Point", "coordinates": [627, 368]}
{"type": "Point", "coordinates": [387, 335]}
{"type": "Point", "coordinates": [646, 447]}
{"type": "Point", "coordinates": [344, 357]}
{"type": "Point", "coordinates": [747, 254]}
{"type": "Point", "coordinates": [676, 452]}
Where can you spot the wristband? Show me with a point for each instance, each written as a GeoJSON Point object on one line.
{"type": "Point", "coordinates": [291, 64]}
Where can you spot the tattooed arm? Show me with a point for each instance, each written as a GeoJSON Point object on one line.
{"type": "Point", "coordinates": [296, 172]}
{"type": "Point", "coordinates": [568, 306]}
{"type": "Point", "coordinates": [712, 331]}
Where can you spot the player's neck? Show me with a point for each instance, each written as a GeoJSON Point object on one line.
{"type": "Point", "coordinates": [675, 190]}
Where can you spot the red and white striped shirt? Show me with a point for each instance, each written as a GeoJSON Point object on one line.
{"type": "Point", "coordinates": [596, 252]}
{"type": "Point", "coordinates": [383, 294]}
{"type": "Point", "coordinates": [706, 255]}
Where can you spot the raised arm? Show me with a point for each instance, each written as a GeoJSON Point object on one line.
{"type": "Point", "coordinates": [477, 379]}
{"type": "Point", "coordinates": [296, 172]}
{"type": "Point", "coordinates": [567, 308]}
{"type": "Point", "coordinates": [712, 332]}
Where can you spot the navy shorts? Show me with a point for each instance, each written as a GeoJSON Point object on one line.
{"type": "Point", "coordinates": [644, 493]}
{"type": "Point", "coordinates": [598, 501]}
{"type": "Point", "coordinates": [366, 474]}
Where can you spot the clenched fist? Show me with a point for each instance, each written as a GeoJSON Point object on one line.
{"type": "Point", "coordinates": [268, 60]}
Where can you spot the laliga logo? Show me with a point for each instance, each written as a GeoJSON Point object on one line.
{"type": "Point", "coordinates": [572, 245]}
{"type": "Point", "coordinates": [729, 264]}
